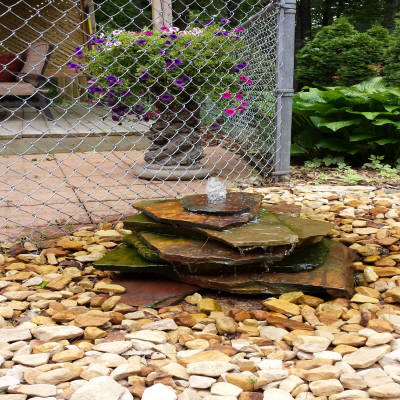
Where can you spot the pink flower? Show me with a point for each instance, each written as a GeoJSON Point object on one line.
{"type": "Point", "coordinates": [90, 102]}
{"type": "Point", "coordinates": [243, 78]}
{"type": "Point", "coordinates": [230, 112]}
{"type": "Point", "coordinates": [239, 30]}
{"type": "Point", "coordinates": [226, 95]}
{"type": "Point", "coordinates": [249, 82]}
{"type": "Point", "coordinates": [148, 33]}
{"type": "Point", "coordinates": [239, 96]}
{"type": "Point", "coordinates": [244, 104]}
{"type": "Point", "coordinates": [164, 28]}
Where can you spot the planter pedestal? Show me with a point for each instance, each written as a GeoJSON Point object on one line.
{"type": "Point", "coordinates": [175, 151]}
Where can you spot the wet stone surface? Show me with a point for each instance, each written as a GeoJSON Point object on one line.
{"type": "Point", "coordinates": [235, 203]}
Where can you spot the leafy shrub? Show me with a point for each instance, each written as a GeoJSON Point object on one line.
{"type": "Point", "coordinates": [142, 72]}
{"type": "Point", "coordinates": [392, 57]}
{"type": "Point", "coordinates": [340, 55]}
{"type": "Point", "coordinates": [354, 121]}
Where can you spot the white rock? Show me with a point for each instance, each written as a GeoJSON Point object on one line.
{"type": "Point", "coordinates": [55, 376]}
{"type": "Point", "coordinates": [32, 360]}
{"type": "Point", "coordinates": [225, 389]}
{"type": "Point", "coordinates": [290, 383]}
{"type": "Point", "coordinates": [272, 332]}
{"type": "Point", "coordinates": [210, 368]}
{"type": "Point", "coordinates": [326, 387]}
{"type": "Point", "coordinates": [200, 382]}
{"type": "Point", "coordinates": [176, 370]}
{"type": "Point", "coordinates": [110, 360]}
{"type": "Point", "coordinates": [125, 370]}
{"type": "Point", "coordinates": [353, 381]}
{"type": "Point", "coordinates": [14, 334]}
{"type": "Point", "coordinates": [272, 375]}
{"type": "Point", "coordinates": [149, 336]}
{"type": "Point", "coordinates": [277, 394]}
{"type": "Point", "coordinates": [103, 388]}
{"type": "Point", "coordinates": [188, 394]}
{"type": "Point", "coordinates": [374, 377]}
{"type": "Point", "coordinates": [40, 390]}
{"type": "Point", "coordinates": [157, 392]}
{"type": "Point", "coordinates": [94, 370]}
{"type": "Point", "coordinates": [167, 324]}
{"type": "Point", "coordinates": [366, 356]}
{"type": "Point", "coordinates": [311, 344]}
{"type": "Point", "coordinates": [379, 338]}
{"type": "Point", "coordinates": [117, 347]}
{"type": "Point", "coordinates": [389, 390]}
{"type": "Point", "coordinates": [56, 332]}
{"type": "Point", "coordinates": [349, 395]}
{"type": "Point", "coordinates": [270, 364]}
{"type": "Point", "coordinates": [328, 355]}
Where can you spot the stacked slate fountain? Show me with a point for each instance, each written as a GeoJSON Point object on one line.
{"type": "Point", "coordinates": [233, 244]}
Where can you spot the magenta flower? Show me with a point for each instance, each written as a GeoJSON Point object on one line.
{"type": "Point", "coordinates": [148, 33]}
{"type": "Point", "coordinates": [238, 30]}
{"type": "Point", "coordinates": [226, 95]}
{"type": "Point", "coordinates": [239, 96]}
{"type": "Point", "coordinates": [249, 82]}
{"type": "Point", "coordinates": [244, 104]}
{"type": "Point", "coordinates": [230, 112]}
{"type": "Point", "coordinates": [243, 78]}
{"type": "Point", "coordinates": [164, 28]}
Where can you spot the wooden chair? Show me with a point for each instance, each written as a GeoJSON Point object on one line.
{"type": "Point", "coordinates": [29, 88]}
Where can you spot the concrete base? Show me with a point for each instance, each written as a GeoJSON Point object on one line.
{"type": "Point", "coordinates": [171, 173]}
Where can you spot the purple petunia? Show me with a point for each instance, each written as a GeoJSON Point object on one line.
{"type": "Point", "coordinates": [164, 52]}
{"type": "Point", "coordinates": [95, 89]}
{"type": "Point", "coordinates": [141, 41]}
{"type": "Point", "coordinates": [225, 21]}
{"type": "Point", "coordinates": [209, 23]}
{"type": "Point", "coordinates": [173, 36]}
{"type": "Point", "coordinates": [113, 81]}
{"type": "Point", "coordinates": [78, 52]}
{"type": "Point", "coordinates": [167, 43]}
{"type": "Point", "coordinates": [165, 97]}
{"type": "Point", "coordinates": [223, 33]}
{"type": "Point", "coordinates": [196, 21]}
{"type": "Point", "coordinates": [139, 108]}
{"type": "Point", "coordinates": [125, 93]}
{"type": "Point", "coordinates": [73, 66]}
{"type": "Point", "coordinates": [144, 75]}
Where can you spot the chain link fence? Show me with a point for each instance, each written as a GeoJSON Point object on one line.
{"type": "Point", "coordinates": [103, 102]}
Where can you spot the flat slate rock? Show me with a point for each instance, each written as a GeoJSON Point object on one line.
{"type": "Point", "coordinates": [172, 212]}
{"type": "Point", "coordinates": [148, 291]}
{"type": "Point", "coordinates": [235, 203]}
{"type": "Point", "coordinates": [334, 277]}
{"type": "Point", "coordinates": [187, 250]}
{"type": "Point", "coordinates": [127, 259]}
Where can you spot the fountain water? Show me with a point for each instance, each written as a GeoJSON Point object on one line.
{"type": "Point", "coordinates": [229, 241]}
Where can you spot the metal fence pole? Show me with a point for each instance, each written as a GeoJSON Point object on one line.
{"type": "Point", "coordinates": [284, 91]}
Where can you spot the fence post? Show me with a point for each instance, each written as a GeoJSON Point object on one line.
{"type": "Point", "coordinates": [284, 90]}
{"type": "Point", "coordinates": [162, 13]}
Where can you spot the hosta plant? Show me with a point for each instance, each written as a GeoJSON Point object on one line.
{"type": "Point", "coordinates": [354, 121]}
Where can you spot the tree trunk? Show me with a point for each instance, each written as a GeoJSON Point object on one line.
{"type": "Point", "coordinates": [328, 12]}
{"type": "Point", "coordinates": [391, 8]}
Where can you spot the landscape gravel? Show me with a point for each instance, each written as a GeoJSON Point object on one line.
{"type": "Point", "coordinates": [65, 333]}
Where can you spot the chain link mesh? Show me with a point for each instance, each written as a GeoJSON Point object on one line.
{"type": "Point", "coordinates": [68, 157]}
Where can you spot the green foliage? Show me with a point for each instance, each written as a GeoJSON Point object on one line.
{"type": "Point", "coordinates": [385, 170]}
{"type": "Point", "coordinates": [392, 57]}
{"type": "Point", "coordinates": [156, 68]}
{"type": "Point", "coordinates": [340, 55]}
{"type": "Point", "coordinates": [354, 121]}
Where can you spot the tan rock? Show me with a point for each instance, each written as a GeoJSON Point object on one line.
{"type": "Point", "coordinates": [282, 306]}
{"type": "Point", "coordinates": [68, 355]}
{"type": "Point", "coordinates": [110, 303]}
{"type": "Point", "coordinates": [323, 372]}
{"type": "Point", "coordinates": [89, 319]}
{"type": "Point", "coordinates": [92, 333]}
{"type": "Point", "coordinates": [349, 339]}
{"type": "Point", "coordinates": [326, 387]}
{"type": "Point", "coordinates": [366, 356]}
{"type": "Point", "coordinates": [311, 344]}
{"type": "Point", "coordinates": [104, 287]}
{"type": "Point", "coordinates": [59, 283]}
{"type": "Point", "coordinates": [360, 298]}
{"type": "Point", "coordinates": [70, 244]}
{"type": "Point", "coordinates": [210, 355]}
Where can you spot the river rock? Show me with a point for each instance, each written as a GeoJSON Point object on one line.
{"type": "Point", "coordinates": [277, 394]}
{"type": "Point", "coordinates": [210, 368]}
{"type": "Point", "coordinates": [366, 356]}
{"type": "Point", "coordinates": [56, 332]}
{"type": "Point", "coordinates": [225, 389]}
{"type": "Point", "coordinates": [117, 347]}
{"type": "Point", "coordinates": [166, 324]}
{"type": "Point", "coordinates": [200, 382]}
{"type": "Point", "coordinates": [14, 334]}
{"type": "Point", "coordinates": [41, 390]}
{"type": "Point", "coordinates": [103, 388]}
{"type": "Point", "coordinates": [311, 344]}
{"type": "Point", "coordinates": [157, 392]}
{"type": "Point", "coordinates": [32, 360]}
{"type": "Point", "coordinates": [326, 387]}
{"type": "Point", "coordinates": [389, 390]}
